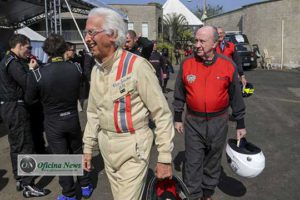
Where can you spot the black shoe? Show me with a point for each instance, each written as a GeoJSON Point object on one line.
{"type": "Point", "coordinates": [19, 185]}
{"type": "Point", "coordinates": [33, 191]}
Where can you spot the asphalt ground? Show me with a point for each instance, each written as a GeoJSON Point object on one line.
{"type": "Point", "coordinates": [272, 121]}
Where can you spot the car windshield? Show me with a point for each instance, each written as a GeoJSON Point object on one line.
{"type": "Point", "coordinates": [243, 47]}
{"type": "Point", "coordinates": [240, 38]}
{"type": "Point", "coordinates": [237, 38]}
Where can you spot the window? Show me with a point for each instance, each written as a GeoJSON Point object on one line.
{"type": "Point", "coordinates": [130, 26]}
{"type": "Point", "coordinates": [144, 29]}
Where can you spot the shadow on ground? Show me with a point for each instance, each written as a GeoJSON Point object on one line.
{"type": "Point", "coordinates": [3, 129]}
{"type": "Point", "coordinates": [98, 164]}
{"type": "Point", "coordinates": [179, 161]}
{"type": "Point", "coordinates": [3, 181]}
{"type": "Point", "coordinates": [231, 186]}
{"type": "Point", "coordinates": [45, 181]}
{"type": "Point", "coordinates": [150, 175]}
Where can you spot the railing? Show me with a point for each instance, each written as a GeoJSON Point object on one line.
{"type": "Point", "coordinates": [69, 35]}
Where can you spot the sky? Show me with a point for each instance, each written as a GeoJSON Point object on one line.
{"type": "Point", "coordinates": [228, 5]}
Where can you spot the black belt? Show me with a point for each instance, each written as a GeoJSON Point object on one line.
{"type": "Point", "coordinates": [206, 115]}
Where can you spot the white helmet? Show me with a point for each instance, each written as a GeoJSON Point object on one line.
{"type": "Point", "coordinates": [247, 160]}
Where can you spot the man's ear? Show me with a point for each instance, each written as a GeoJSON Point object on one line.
{"type": "Point", "coordinates": [113, 34]}
{"type": "Point", "coordinates": [215, 44]}
{"type": "Point", "coordinates": [18, 46]}
{"type": "Point", "coordinates": [136, 38]}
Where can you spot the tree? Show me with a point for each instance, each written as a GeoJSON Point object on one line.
{"type": "Point", "coordinates": [175, 26]}
{"type": "Point", "coordinates": [211, 10]}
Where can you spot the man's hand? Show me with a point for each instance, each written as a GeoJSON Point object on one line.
{"type": "Point", "coordinates": [163, 171]}
{"type": "Point", "coordinates": [87, 162]}
{"type": "Point", "coordinates": [240, 133]}
{"type": "Point", "coordinates": [33, 64]}
{"type": "Point", "coordinates": [244, 80]}
{"type": "Point", "coordinates": [179, 127]}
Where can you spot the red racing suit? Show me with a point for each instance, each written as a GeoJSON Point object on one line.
{"type": "Point", "coordinates": [230, 52]}
{"type": "Point", "coordinates": [208, 88]}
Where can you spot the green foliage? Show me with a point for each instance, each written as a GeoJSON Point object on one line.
{"type": "Point", "coordinates": [174, 27]}
{"type": "Point", "coordinates": [156, 4]}
{"type": "Point", "coordinates": [167, 45]}
{"type": "Point", "coordinates": [187, 35]}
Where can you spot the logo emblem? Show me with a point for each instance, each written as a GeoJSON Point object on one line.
{"type": "Point", "coordinates": [191, 78]}
{"type": "Point", "coordinates": [27, 164]}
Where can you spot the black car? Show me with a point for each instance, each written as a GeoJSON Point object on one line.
{"type": "Point", "coordinates": [243, 48]}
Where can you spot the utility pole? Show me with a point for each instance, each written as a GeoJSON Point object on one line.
{"type": "Point", "coordinates": [204, 15]}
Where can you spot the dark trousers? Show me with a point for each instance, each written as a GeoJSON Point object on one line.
{"type": "Point", "coordinates": [177, 60]}
{"type": "Point", "coordinates": [64, 137]}
{"type": "Point", "coordinates": [15, 116]}
{"type": "Point", "coordinates": [204, 143]}
{"type": "Point", "coordinates": [37, 127]}
{"type": "Point", "coordinates": [164, 84]}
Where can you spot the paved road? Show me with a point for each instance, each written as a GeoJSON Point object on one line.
{"type": "Point", "coordinates": [273, 123]}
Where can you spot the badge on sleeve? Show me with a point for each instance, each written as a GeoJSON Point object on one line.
{"type": "Point", "coordinates": [191, 78]}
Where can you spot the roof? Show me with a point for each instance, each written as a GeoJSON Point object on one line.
{"type": "Point", "coordinates": [31, 34]}
{"type": "Point", "coordinates": [18, 12]}
{"type": "Point", "coordinates": [175, 6]}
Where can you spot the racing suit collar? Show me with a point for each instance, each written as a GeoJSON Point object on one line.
{"type": "Point", "coordinates": [107, 65]}
{"type": "Point", "coordinates": [207, 63]}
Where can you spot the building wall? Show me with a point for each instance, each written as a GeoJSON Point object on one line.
{"type": "Point", "coordinates": [138, 14]}
{"type": "Point", "coordinates": [262, 23]}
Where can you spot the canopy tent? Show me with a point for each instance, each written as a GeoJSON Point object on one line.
{"type": "Point", "coordinates": [37, 41]}
{"type": "Point", "coordinates": [31, 34]}
{"type": "Point", "coordinates": [15, 13]}
{"type": "Point", "coordinates": [18, 13]}
{"type": "Point", "coordinates": [175, 6]}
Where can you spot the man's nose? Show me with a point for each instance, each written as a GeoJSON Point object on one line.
{"type": "Point", "coordinates": [87, 37]}
{"type": "Point", "coordinates": [197, 44]}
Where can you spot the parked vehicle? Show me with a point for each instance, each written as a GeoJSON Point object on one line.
{"type": "Point", "coordinates": [243, 48]}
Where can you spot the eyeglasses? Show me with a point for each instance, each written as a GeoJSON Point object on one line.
{"type": "Point", "coordinates": [92, 32]}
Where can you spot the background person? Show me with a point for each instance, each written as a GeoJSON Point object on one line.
{"type": "Point", "coordinates": [138, 45]}
{"type": "Point", "coordinates": [168, 69]}
{"type": "Point", "coordinates": [158, 62]}
{"type": "Point", "coordinates": [57, 85]}
{"type": "Point", "coordinates": [228, 49]}
{"type": "Point", "coordinates": [14, 111]}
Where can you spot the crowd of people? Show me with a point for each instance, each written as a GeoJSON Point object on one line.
{"type": "Point", "coordinates": [124, 81]}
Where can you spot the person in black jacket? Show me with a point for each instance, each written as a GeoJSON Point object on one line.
{"type": "Point", "coordinates": [14, 112]}
{"type": "Point", "coordinates": [168, 69]}
{"type": "Point", "coordinates": [138, 45]}
{"type": "Point", "coordinates": [87, 64]}
{"type": "Point", "coordinates": [158, 62]}
{"type": "Point", "coordinates": [57, 85]}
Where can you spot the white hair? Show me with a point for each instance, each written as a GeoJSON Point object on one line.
{"type": "Point", "coordinates": [113, 23]}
